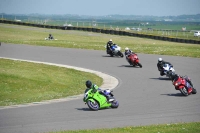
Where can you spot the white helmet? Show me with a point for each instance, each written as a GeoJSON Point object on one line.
{"type": "Point", "coordinates": [160, 59]}
{"type": "Point", "coordinates": [110, 40]}
{"type": "Point", "coordinates": [126, 49]}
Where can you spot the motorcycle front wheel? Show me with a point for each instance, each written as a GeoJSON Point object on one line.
{"type": "Point", "coordinates": [115, 104]}
{"type": "Point", "coordinates": [120, 54]}
{"type": "Point", "coordinates": [184, 91]}
{"type": "Point", "coordinates": [194, 91]}
{"type": "Point", "coordinates": [93, 105]}
{"type": "Point", "coordinates": [140, 65]}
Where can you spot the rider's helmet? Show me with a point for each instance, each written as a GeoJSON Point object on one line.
{"type": "Point", "coordinates": [110, 41]}
{"type": "Point", "coordinates": [88, 84]}
{"type": "Point", "coordinates": [49, 34]}
{"type": "Point", "coordinates": [126, 49]}
{"type": "Point", "coordinates": [160, 59]}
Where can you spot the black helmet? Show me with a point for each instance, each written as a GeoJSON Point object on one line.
{"type": "Point", "coordinates": [88, 84]}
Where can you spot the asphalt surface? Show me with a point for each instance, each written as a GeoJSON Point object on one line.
{"type": "Point", "coordinates": [144, 96]}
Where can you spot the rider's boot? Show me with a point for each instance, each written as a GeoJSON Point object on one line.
{"type": "Point", "coordinates": [161, 73]}
{"type": "Point", "coordinates": [129, 62]}
{"type": "Point", "coordinates": [109, 99]}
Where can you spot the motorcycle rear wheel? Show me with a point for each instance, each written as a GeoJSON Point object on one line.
{"type": "Point", "coordinates": [184, 91]}
{"type": "Point", "coordinates": [93, 105]}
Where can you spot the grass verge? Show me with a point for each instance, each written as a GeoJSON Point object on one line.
{"type": "Point", "coordinates": [193, 127]}
{"type": "Point", "coordinates": [24, 82]}
{"type": "Point", "coordinates": [89, 40]}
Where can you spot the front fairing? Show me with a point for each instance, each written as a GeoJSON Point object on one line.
{"type": "Point", "coordinates": [115, 48]}
{"type": "Point", "coordinates": [96, 96]}
{"type": "Point", "coordinates": [134, 58]}
{"type": "Point", "coordinates": [179, 83]}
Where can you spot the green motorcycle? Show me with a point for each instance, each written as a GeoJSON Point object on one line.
{"type": "Point", "coordinates": [96, 99]}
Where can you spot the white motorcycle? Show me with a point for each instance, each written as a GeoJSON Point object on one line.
{"type": "Point", "coordinates": [168, 70]}
{"type": "Point", "coordinates": [115, 51]}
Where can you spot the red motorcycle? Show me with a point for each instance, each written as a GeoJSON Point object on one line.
{"type": "Point", "coordinates": [184, 86]}
{"type": "Point", "coordinates": [134, 60]}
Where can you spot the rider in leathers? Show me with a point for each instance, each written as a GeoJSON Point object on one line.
{"type": "Point", "coordinates": [95, 88]}
{"type": "Point", "coordinates": [127, 53]}
{"type": "Point", "coordinates": [108, 46]}
{"type": "Point", "coordinates": [160, 65]}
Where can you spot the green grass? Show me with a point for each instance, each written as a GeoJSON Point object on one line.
{"type": "Point", "coordinates": [156, 26]}
{"type": "Point", "coordinates": [172, 34]}
{"type": "Point", "coordinates": [96, 41]}
{"type": "Point", "coordinates": [23, 82]}
{"type": "Point", "coordinates": [193, 127]}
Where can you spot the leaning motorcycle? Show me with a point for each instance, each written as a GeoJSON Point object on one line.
{"type": "Point", "coordinates": [168, 70]}
{"type": "Point", "coordinates": [183, 86]}
{"type": "Point", "coordinates": [95, 100]}
{"type": "Point", "coordinates": [115, 51]}
{"type": "Point", "coordinates": [134, 60]}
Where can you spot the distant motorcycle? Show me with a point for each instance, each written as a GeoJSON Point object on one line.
{"type": "Point", "coordinates": [96, 101]}
{"type": "Point", "coordinates": [134, 60]}
{"type": "Point", "coordinates": [115, 51]}
{"type": "Point", "coordinates": [168, 70]}
{"type": "Point", "coordinates": [47, 38]}
{"type": "Point", "coordinates": [183, 86]}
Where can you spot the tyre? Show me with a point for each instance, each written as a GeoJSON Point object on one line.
{"type": "Point", "coordinates": [140, 65]}
{"type": "Point", "coordinates": [115, 104]}
{"type": "Point", "coordinates": [184, 91]}
{"type": "Point", "coordinates": [111, 54]}
{"type": "Point", "coordinates": [194, 91]}
{"type": "Point", "coordinates": [120, 54]}
{"type": "Point", "coordinates": [93, 105]}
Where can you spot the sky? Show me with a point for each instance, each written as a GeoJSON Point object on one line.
{"type": "Point", "coordinates": [102, 7]}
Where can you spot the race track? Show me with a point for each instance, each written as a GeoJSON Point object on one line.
{"type": "Point", "coordinates": [145, 98]}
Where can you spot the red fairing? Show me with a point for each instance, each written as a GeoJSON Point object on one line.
{"type": "Point", "coordinates": [189, 90]}
{"type": "Point", "coordinates": [134, 58]}
{"type": "Point", "coordinates": [180, 83]}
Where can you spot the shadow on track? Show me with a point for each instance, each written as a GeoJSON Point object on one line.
{"type": "Point", "coordinates": [111, 56]}
{"type": "Point", "coordinates": [167, 79]}
{"type": "Point", "coordinates": [129, 66]}
{"type": "Point", "coordinates": [87, 109]}
{"type": "Point", "coordinates": [84, 109]}
{"type": "Point", "coordinates": [175, 95]}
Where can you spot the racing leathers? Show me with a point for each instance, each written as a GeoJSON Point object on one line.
{"type": "Point", "coordinates": [127, 53]}
{"type": "Point", "coordinates": [160, 65]}
{"type": "Point", "coordinates": [108, 47]}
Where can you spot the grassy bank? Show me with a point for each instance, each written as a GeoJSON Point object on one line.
{"type": "Point", "coordinates": [193, 127]}
{"type": "Point", "coordinates": [96, 41]}
{"type": "Point", "coordinates": [23, 82]}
